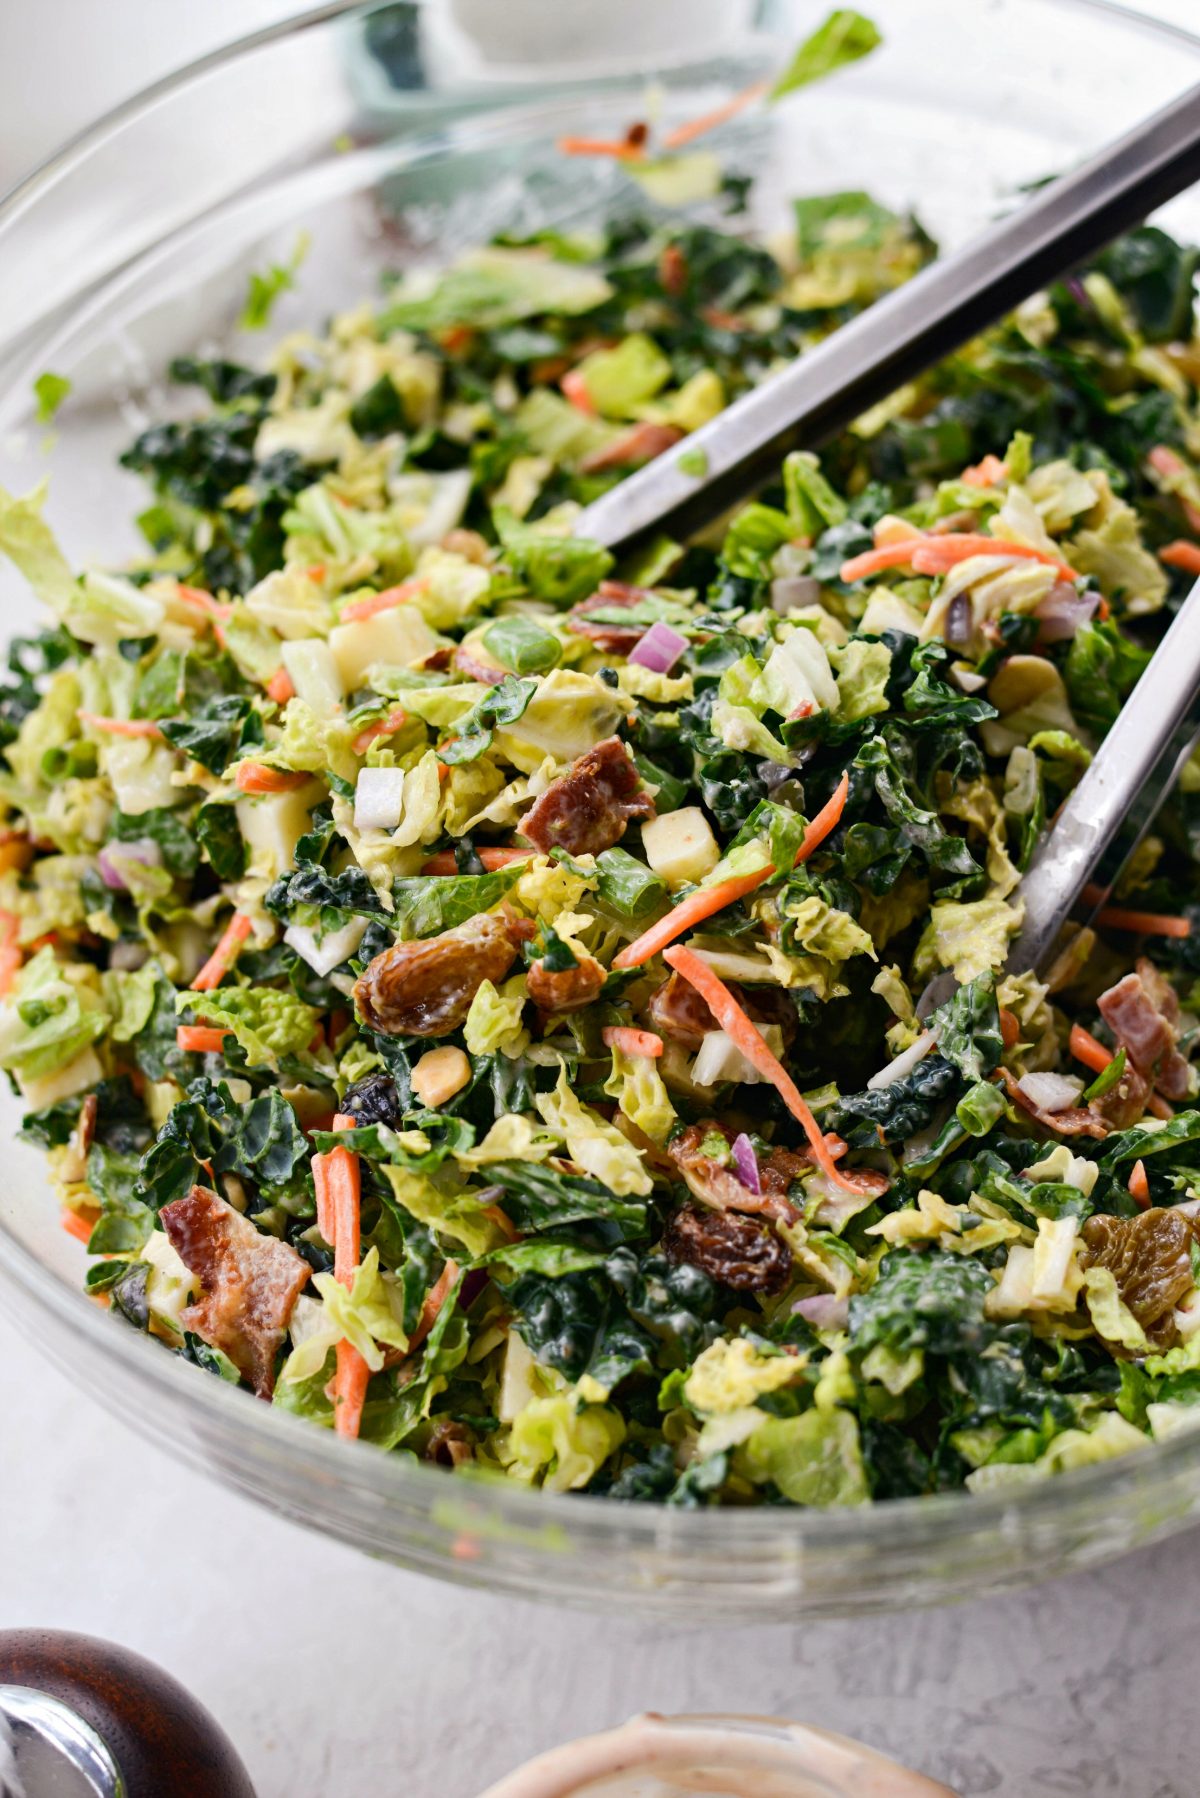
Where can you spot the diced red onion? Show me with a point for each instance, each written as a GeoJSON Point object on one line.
{"type": "Point", "coordinates": [823, 1311]}
{"type": "Point", "coordinates": [791, 591]}
{"type": "Point", "coordinates": [1051, 1092]}
{"type": "Point", "coordinates": [1063, 610]}
{"type": "Point", "coordinates": [139, 849]}
{"type": "Point", "coordinates": [745, 1162]}
{"type": "Point", "coordinates": [659, 649]}
{"type": "Point", "coordinates": [1078, 292]}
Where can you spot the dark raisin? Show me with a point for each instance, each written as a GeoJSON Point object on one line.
{"type": "Point", "coordinates": [740, 1252]}
{"type": "Point", "coordinates": [373, 1100]}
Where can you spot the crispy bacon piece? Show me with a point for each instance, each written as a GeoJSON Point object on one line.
{"type": "Point", "coordinates": [586, 809]}
{"type": "Point", "coordinates": [677, 1010]}
{"type": "Point", "coordinates": [565, 989]}
{"type": "Point", "coordinates": [251, 1282]}
{"type": "Point", "coordinates": [1077, 1121]}
{"type": "Point", "coordinates": [617, 638]}
{"type": "Point", "coordinates": [475, 668]}
{"type": "Point", "coordinates": [739, 1252]}
{"type": "Point", "coordinates": [1149, 1256]}
{"type": "Point", "coordinates": [716, 1184]}
{"type": "Point", "coordinates": [1142, 1011]}
{"type": "Point", "coordinates": [425, 988]}
{"type": "Point", "coordinates": [640, 443]}
{"type": "Point", "coordinates": [1124, 1103]}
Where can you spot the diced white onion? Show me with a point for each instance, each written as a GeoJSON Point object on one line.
{"type": "Point", "coordinates": [1051, 1092]}
{"type": "Point", "coordinates": [379, 799]}
{"type": "Point", "coordinates": [719, 1058]}
{"type": "Point", "coordinates": [903, 1064]}
{"type": "Point", "coordinates": [332, 949]}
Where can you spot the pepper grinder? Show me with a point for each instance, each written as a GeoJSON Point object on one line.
{"type": "Point", "coordinates": [81, 1718]}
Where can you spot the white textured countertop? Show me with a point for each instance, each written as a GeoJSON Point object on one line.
{"type": "Point", "coordinates": [340, 1678]}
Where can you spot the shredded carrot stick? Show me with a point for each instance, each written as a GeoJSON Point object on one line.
{"type": "Point", "coordinates": [1010, 1029]}
{"type": "Point", "coordinates": [201, 1039]}
{"type": "Point", "coordinates": [574, 386]}
{"type": "Point", "coordinates": [120, 727]}
{"type": "Point", "coordinates": [985, 473]}
{"type": "Point", "coordinates": [1146, 923]}
{"type": "Point", "coordinates": [75, 1224]}
{"type": "Point", "coordinates": [444, 863]}
{"type": "Point", "coordinates": [257, 777]}
{"type": "Point", "coordinates": [502, 1222]}
{"type": "Point", "coordinates": [10, 950]}
{"type": "Point", "coordinates": [737, 1025]}
{"type": "Point", "coordinates": [224, 955]}
{"type": "Point", "coordinates": [1181, 554]}
{"type": "Point", "coordinates": [1170, 466]}
{"type": "Point", "coordinates": [632, 1042]}
{"type": "Point", "coordinates": [708, 121]}
{"type": "Point", "coordinates": [374, 603]}
{"type": "Point", "coordinates": [937, 555]}
{"type": "Point", "coordinates": [707, 900]}
{"type": "Point", "coordinates": [620, 147]}
{"type": "Point", "coordinates": [337, 1182]}
{"type": "Point", "coordinates": [379, 727]}
{"type": "Point", "coordinates": [433, 1304]}
{"type": "Point", "coordinates": [280, 688]}
{"type": "Point", "coordinates": [202, 601]}
{"type": "Point", "coordinates": [1139, 1185]}
{"type": "Point", "coordinates": [1085, 1048]}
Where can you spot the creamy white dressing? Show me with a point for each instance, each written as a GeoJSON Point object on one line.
{"type": "Point", "coordinates": [657, 1757]}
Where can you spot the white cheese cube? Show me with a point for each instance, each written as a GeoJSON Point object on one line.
{"type": "Point", "coordinates": [681, 847]}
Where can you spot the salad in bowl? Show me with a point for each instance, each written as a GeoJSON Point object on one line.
{"type": "Point", "coordinates": [466, 988]}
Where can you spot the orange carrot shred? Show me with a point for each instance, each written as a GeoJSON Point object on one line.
{"type": "Point", "coordinates": [737, 1025]}
{"type": "Point", "coordinates": [120, 727]}
{"type": "Point", "coordinates": [708, 121]}
{"type": "Point", "coordinates": [1139, 1185]}
{"type": "Point", "coordinates": [707, 900]}
{"type": "Point", "coordinates": [75, 1224]}
{"type": "Point", "coordinates": [280, 688]}
{"type": "Point", "coordinates": [1085, 1048]}
{"type": "Point", "coordinates": [1181, 554]}
{"type": "Point", "coordinates": [632, 1042]}
{"type": "Point", "coordinates": [444, 863]}
{"type": "Point", "coordinates": [1146, 923]}
{"type": "Point", "coordinates": [257, 777]}
{"type": "Point", "coordinates": [224, 955]}
{"type": "Point", "coordinates": [379, 727]}
{"type": "Point", "coordinates": [374, 603]}
{"type": "Point", "coordinates": [985, 473]}
{"type": "Point", "coordinates": [337, 1183]}
{"type": "Point", "coordinates": [575, 388]}
{"type": "Point", "coordinates": [619, 147]}
{"type": "Point", "coordinates": [431, 1309]}
{"type": "Point", "coordinates": [937, 555]}
{"type": "Point", "coordinates": [201, 1039]}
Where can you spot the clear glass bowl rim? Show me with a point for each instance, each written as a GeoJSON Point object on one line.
{"type": "Point", "coordinates": [1161, 1472]}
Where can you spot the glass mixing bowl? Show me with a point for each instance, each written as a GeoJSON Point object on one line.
{"type": "Point", "coordinates": [405, 133]}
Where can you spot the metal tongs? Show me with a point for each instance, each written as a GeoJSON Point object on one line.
{"type": "Point", "coordinates": [861, 363]}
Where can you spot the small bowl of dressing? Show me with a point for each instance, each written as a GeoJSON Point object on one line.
{"type": "Point", "coordinates": [724, 1757]}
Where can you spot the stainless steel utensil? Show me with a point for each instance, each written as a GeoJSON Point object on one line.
{"type": "Point", "coordinates": [904, 333]}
